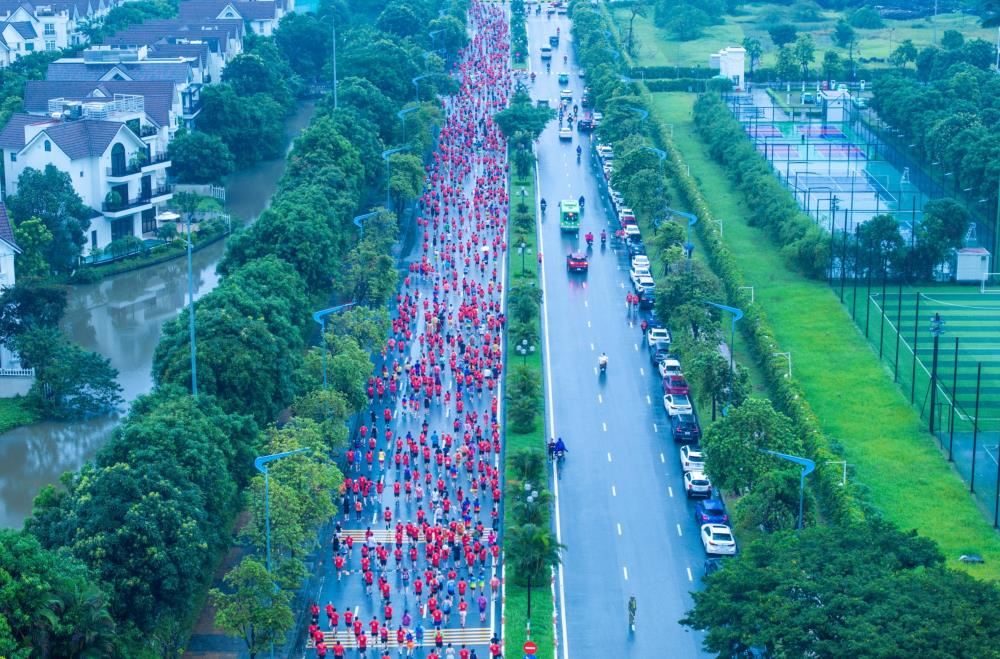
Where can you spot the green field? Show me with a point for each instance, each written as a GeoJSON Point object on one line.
{"type": "Point", "coordinates": [658, 48]}
{"type": "Point", "coordinates": [882, 436]}
{"type": "Point", "coordinates": [13, 414]}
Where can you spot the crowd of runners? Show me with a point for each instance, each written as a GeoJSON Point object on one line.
{"type": "Point", "coordinates": [416, 552]}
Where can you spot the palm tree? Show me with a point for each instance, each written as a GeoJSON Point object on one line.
{"type": "Point", "coordinates": [530, 549]}
{"type": "Point", "coordinates": [525, 511]}
{"type": "Point", "coordinates": [527, 464]}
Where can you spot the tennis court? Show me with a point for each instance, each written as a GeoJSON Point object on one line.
{"type": "Point", "coordinates": [763, 130]}
{"type": "Point", "coordinates": [825, 131]}
{"type": "Point", "coordinates": [841, 151]}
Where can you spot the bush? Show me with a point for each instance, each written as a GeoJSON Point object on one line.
{"type": "Point", "coordinates": [866, 18]}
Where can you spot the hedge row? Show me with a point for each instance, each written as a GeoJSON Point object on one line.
{"type": "Point", "coordinates": [677, 85]}
{"type": "Point", "coordinates": [838, 502]}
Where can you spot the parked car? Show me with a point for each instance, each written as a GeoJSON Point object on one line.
{"type": "Point", "coordinates": [686, 428]}
{"type": "Point", "coordinates": [692, 459]}
{"type": "Point", "coordinates": [576, 262]}
{"type": "Point", "coordinates": [657, 335]}
{"type": "Point", "coordinates": [677, 404]}
{"type": "Point", "coordinates": [676, 384]}
{"type": "Point", "coordinates": [718, 540]}
{"type": "Point", "coordinates": [635, 246]}
{"type": "Point", "coordinates": [631, 230]}
{"type": "Point", "coordinates": [696, 484]}
{"type": "Point", "coordinates": [605, 151]}
{"type": "Point", "coordinates": [647, 299]}
{"type": "Point", "coordinates": [636, 273]}
{"type": "Point", "coordinates": [585, 125]}
{"type": "Point", "coordinates": [640, 261]}
{"type": "Point", "coordinates": [710, 511]}
{"type": "Point", "coordinates": [670, 367]}
{"type": "Point", "coordinates": [657, 353]}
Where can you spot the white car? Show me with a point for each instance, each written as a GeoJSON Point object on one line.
{"type": "Point", "coordinates": [669, 367]}
{"type": "Point", "coordinates": [566, 94]}
{"type": "Point", "coordinates": [597, 117]}
{"type": "Point", "coordinates": [632, 230]}
{"type": "Point", "coordinates": [643, 283]}
{"type": "Point", "coordinates": [677, 404]}
{"type": "Point", "coordinates": [583, 73]}
{"type": "Point", "coordinates": [604, 150]}
{"type": "Point", "coordinates": [718, 540]}
{"type": "Point", "coordinates": [565, 133]}
{"type": "Point", "coordinates": [635, 273]}
{"type": "Point", "coordinates": [696, 484]}
{"type": "Point", "coordinates": [622, 212]}
{"type": "Point", "coordinates": [692, 459]}
{"type": "Point", "coordinates": [658, 336]}
{"type": "Point", "coordinates": [640, 261]}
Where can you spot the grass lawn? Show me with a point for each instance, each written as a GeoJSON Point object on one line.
{"type": "Point", "coordinates": [658, 48]}
{"type": "Point", "coordinates": [516, 602]}
{"type": "Point", "coordinates": [884, 442]}
{"type": "Point", "coordinates": [14, 413]}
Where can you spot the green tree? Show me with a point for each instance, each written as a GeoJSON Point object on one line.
{"type": "Point", "coordinates": [843, 34]}
{"type": "Point", "coordinates": [250, 126]}
{"type": "Point", "coordinates": [524, 398]}
{"type": "Point", "coordinates": [906, 52]}
{"type": "Point", "coordinates": [867, 590]}
{"type": "Point", "coordinates": [249, 75]}
{"type": "Point", "coordinates": [687, 22]}
{"type": "Point", "coordinates": [451, 34]}
{"type": "Point", "coordinates": [199, 157]}
{"type": "Point", "coordinates": [754, 49]}
{"type": "Point", "coordinates": [952, 40]}
{"type": "Point", "coordinates": [710, 378]}
{"type": "Point", "coordinates": [773, 504]}
{"type": "Point", "coordinates": [833, 68]}
{"type": "Point", "coordinates": [733, 454]}
{"type": "Point", "coordinates": [69, 381]}
{"type": "Point", "coordinates": [368, 275]}
{"type": "Point", "coordinates": [49, 196]}
{"type": "Point", "coordinates": [30, 305]}
{"type": "Point", "coordinates": [389, 64]}
{"type": "Point", "coordinates": [305, 43]}
{"type": "Point", "coordinates": [782, 34]}
{"type": "Point", "coordinates": [523, 302]}
{"type": "Point", "coordinates": [251, 609]}
{"type": "Point", "coordinates": [522, 115]}
{"type": "Point", "coordinates": [143, 535]}
{"type": "Point", "coordinates": [531, 551]}
{"type": "Point", "coordinates": [399, 19]}
{"type": "Point", "coordinates": [49, 603]}
{"type": "Point", "coordinates": [407, 177]}
{"type": "Point", "coordinates": [866, 18]}
{"type": "Point", "coordinates": [34, 239]}
{"type": "Point", "coordinates": [943, 229]}
{"type": "Point", "coordinates": [804, 51]}
{"type": "Point", "coordinates": [364, 97]}
{"type": "Point", "coordinates": [786, 67]}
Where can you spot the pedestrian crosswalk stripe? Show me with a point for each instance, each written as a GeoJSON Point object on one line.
{"type": "Point", "coordinates": [457, 637]}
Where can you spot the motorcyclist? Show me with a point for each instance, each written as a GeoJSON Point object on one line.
{"type": "Point", "coordinates": [552, 447]}
{"type": "Point", "coordinates": [543, 204]}
{"type": "Point", "coordinates": [602, 361]}
{"type": "Point", "coordinates": [565, 58]}
{"type": "Point", "coordinates": [532, 76]}
{"type": "Point", "coordinates": [560, 447]}
{"type": "Point", "coordinates": [589, 238]}
{"type": "Point", "coordinates": [579, 150]}
{"type": "Point", "coordinates": [581, 202]}
{"type": "Point", "coordinates": [604, 237]}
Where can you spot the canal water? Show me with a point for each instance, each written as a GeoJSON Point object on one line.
{"type": "Point", "coordinates": [120, 317]}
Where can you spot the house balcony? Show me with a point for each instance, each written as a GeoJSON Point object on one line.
{"type": "Point", "coordinates": [123, 174]}
{"type": "Point", "coordinates": [121, 208]}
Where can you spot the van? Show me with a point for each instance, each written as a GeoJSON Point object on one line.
{"type": "Point", "coordinates": [546, 52]}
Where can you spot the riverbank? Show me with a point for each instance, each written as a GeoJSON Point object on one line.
{"type": "Point", "coordinates": [120, 317]}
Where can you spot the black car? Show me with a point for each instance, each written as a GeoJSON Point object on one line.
{"type": "Point", "coordinates": [585, 125]}
{"type": "Point", "coordinates": [658, 352]}
{"type": "Point", "coordinates": [646, 299]}
{"type": "Point", "coordinates": [635, 247]}
{"type": "Point", "coordinates": [685, 428]}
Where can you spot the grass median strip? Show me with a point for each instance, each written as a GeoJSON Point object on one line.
{"type": "Point", "coordinates": [852, 394]}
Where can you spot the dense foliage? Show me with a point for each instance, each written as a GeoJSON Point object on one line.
{"type": "Point", "coordinates": [147, 521]}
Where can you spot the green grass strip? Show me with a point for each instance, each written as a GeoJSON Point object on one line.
{"type": "Point", "coordinates": [14, 413]}
{"type": "Point", "coordinates": [902, 472]}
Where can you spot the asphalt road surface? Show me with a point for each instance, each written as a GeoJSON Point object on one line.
{"type": "Point", "coordinates": [621, 511]}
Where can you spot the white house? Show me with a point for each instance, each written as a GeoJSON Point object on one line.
{"type": "Point", "coordinates": [13, 378]}
{"type": "Point", "coordinates": [26, 28]}
{"type": "Point", "coordinates": [731, 62]}
{"type": "Point", "coordinates": [262, 16]}
{"type": "Point", "coordinates": [113, 170]}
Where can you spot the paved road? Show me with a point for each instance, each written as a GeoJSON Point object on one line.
{"type": "Point", "coordinates": [622, 512]}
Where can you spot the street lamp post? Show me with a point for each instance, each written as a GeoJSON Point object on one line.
{"type": "Point", "coordinates": [261, 463]}
{"type": "Point", "coordinates": [416, 85]}
{"type": "Point", "coordinates": [320, 318]}
{"type": "Point", "coordinates": [523, 249]}
{"type": "Point", "coordinates": [808, 466]}
{"type": "Point", "coordinates": [937, 329]}
{"type": "Point", "coordinates": [524, 349]}
{"type": "Point", "coordinates": [359, 221]}
{"type": "Point", "coordinates": [736, 315]}
{"type": "Point", "coordinates": [402, 113]}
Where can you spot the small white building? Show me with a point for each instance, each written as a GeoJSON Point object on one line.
{"type": "Point", "coordinates": [835, 105]}
{"type": "Point", "coordinates": [113, 170]}
{"type": "Point", "coordinates": [14, 379]}
{"type": "Point", "coordinates": [262, 16]}
{"type": "Point", "coordinates": [731, 62]}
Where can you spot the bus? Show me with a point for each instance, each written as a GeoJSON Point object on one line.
{"type": "Point", "coordinates": [569, 215]}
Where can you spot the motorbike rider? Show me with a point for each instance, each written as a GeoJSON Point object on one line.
{"type": "Point", "coordinates": [560, 447]}
{"type": "Point", "coordinates": [604, 237]}
{"type": "Point", "coordinates": [543, 204]}
{"type": "Point", "coordinates": [589, 238]}
{"type": "Point", "coordinates": [602, 361]}
{"type": "Point", "coordinates": [581, 202]}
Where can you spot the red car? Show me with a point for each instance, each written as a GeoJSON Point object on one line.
{"type": "Point", "coordinates": [576, 262]}
{"type": "Point", "coordinates": [675, 384]}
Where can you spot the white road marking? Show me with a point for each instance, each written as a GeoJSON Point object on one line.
{"type": "Point", "coordinates": [609, 457]}
{"type": "Point", "coordinates": [655, 428]}
{"type": "Point", "coordinates": [670, 491]}
{"type": "Point", "coordinates": [586, 304]}
{"type": "Point", "coordinates": [679, 531]}
{"type": "Point", "coordinates": [604, 426]}
{"type": "Point", "coordinates": [595, 370]}
{"type": "Point", "coordinates": [625, 570]}
{"type": "Point", "coordinates": [649, 401]}
{"type": "Point", "coordinates": [662, 459]}
{"type": "Point", "coordinates": [591, 347]}
{"type": "Point", "coordinates": [642, 371]}
{"type": "Point", "coordinates": [588, 323]}
{"type": "Point", "coordinates": [690, 576]}
{"type": "Point", "coordinates": [600, 399]}
{"type": "Point", "coordinates": [636, 346]}
{"type": "Point", "coordinates": [622, 284]}
{"type": "Point", "coordinates": [614, 492]}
